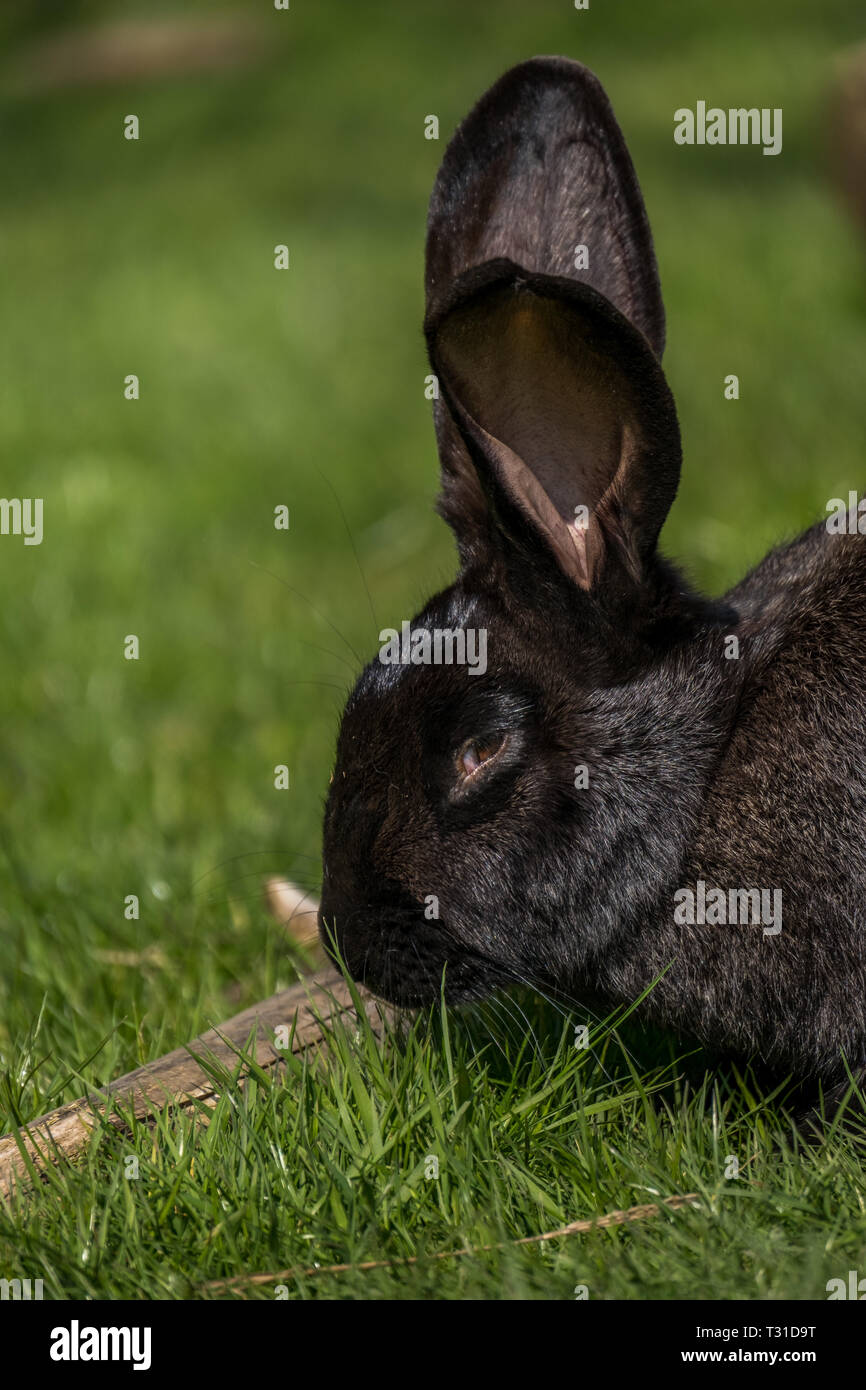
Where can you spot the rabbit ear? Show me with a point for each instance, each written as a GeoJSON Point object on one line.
{"type": "Point", "coordinates": [536, 171]}
{"type": "Point", "coordinates": [566, 417]}
{"type": "Point", "coordinates": [538, 174]}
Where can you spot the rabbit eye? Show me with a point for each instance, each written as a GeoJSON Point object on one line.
{"type": "Point", "coordinates": [476, 753]}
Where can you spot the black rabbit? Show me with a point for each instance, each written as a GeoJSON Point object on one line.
{"type": "Point", "coordinates": [633, 753]}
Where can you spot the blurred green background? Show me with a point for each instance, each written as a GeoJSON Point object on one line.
{"type": "Point", "coordinates": [305, 387]}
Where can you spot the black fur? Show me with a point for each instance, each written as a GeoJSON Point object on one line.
{"type": "Point", "coordinates": [743, 773]}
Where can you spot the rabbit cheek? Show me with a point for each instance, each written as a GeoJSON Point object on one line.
{"type": "Point", "coordinates": [381, 909]}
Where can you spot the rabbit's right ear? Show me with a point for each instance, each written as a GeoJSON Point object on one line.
{"type": "Point", "coordinates": [538, 173]}
{"type": "Point", "coordinates": [538, 180]}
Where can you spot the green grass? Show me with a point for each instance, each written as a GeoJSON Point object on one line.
{"type": "Point", "coordinates": [155, 777]}
{"type": "Point", "coordinates": [461, 1134]}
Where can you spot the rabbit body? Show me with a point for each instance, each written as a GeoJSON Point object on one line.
{"type": "Point", "coordinates": [542, 822]}
{"type": "Point", "coordinates": [784, 807]}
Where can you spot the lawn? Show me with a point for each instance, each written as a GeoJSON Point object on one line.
{"type": "Point", "coordinates": [154, 777]}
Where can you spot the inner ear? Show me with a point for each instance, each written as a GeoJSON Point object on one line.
{"type": "Point", "coordinates": [555, 401]}
{"type": "Point", "coordinates": [527, 374]}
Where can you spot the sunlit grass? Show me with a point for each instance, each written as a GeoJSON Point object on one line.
{"type": "Point", "coordinates": [155, 778]}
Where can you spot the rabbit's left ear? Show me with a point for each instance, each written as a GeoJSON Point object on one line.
{"type": "Point", "coordinates": [566, 415]}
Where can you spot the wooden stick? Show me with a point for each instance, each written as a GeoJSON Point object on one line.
{"type": "Point", "coordinates": [574, 1228]}
{"type": "Point", "coordinates": [294, 909]}
{"type": "Point", "coordinates": [181, 1080]}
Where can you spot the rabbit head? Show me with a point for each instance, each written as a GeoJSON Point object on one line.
{"type": "Point", "coordinates": [499, 823]}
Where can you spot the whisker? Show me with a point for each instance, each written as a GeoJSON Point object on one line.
{"type": "Point", "coordinates": [351, 542]}
{"type": "Point", "coordinates": [536, 1044]}
{"type": "Point", "coordinates": [282, 850]}
{"type": "Point", "coordinates": [297, 592]}
{"type": "Point", "coordinates": [326, 685]}
{"type": "Point", "coordinates": [581, 1007]}
{"type": "Point", "coordinates": [495, 1007]}
{"type": "Point", "coordinates": [262, 871]}
{"type": "Point", "coordinates": [336, 655]}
